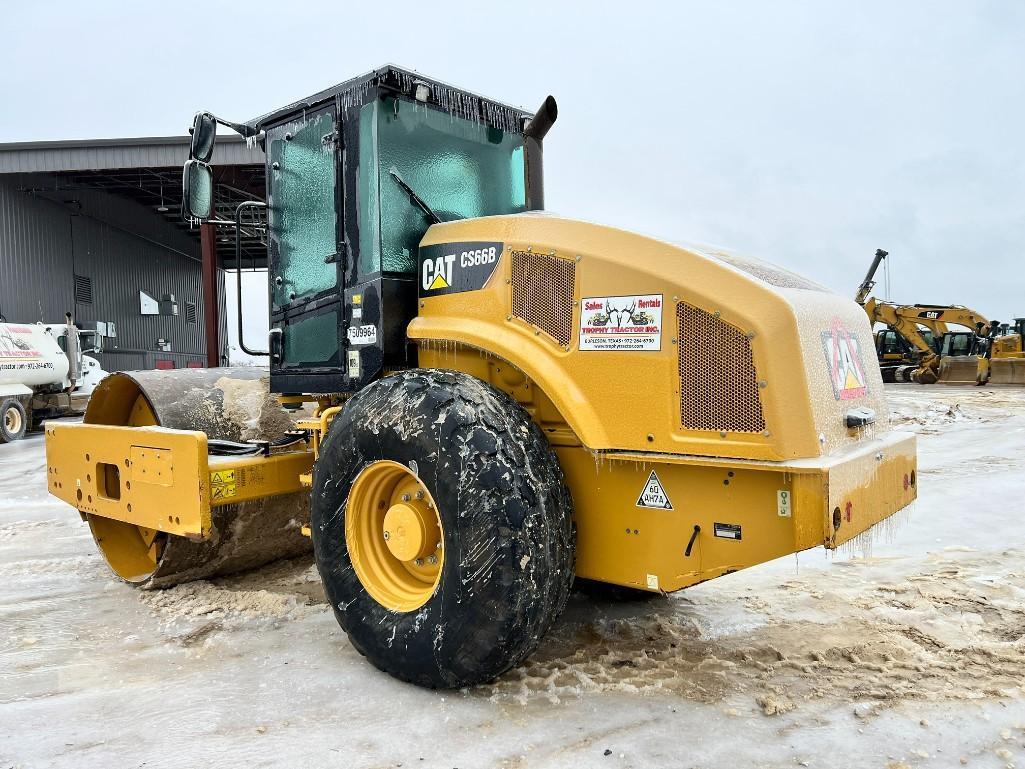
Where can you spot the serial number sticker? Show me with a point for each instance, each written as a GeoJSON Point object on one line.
{"type": "Point", "coordinates": [362, 335]}
{"type": "Point", "coordinates": [727, 530]}
{"type": "Point", "coordinates": [623, 323]}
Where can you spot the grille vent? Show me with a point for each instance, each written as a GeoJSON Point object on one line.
{"type": "Point", "coordinates": [83, 289]}
{"type": "Point", "coordinates": [718, 381]}
{"type": "Point", "coordinates": [190, 312]}
{"type": "Point", "coordinates": [542, 292]}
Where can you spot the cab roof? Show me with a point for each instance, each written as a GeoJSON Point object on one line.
{"type": "Point", "coordinates": [360, 90]}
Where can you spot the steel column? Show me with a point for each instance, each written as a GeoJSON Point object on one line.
{"type": "Point", "coordinates": [208, 246]}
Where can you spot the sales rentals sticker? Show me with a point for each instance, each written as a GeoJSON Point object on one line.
{"type": "Point", "coordinates": [627, 323]}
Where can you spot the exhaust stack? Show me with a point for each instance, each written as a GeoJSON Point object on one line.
{"type": "Point", "coordinates": [533, 146]}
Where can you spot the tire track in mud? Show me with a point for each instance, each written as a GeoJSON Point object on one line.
{"type": "Point", "coordinates": [193, 611]}
{"type": "Point", "coordinates": [953, 631]}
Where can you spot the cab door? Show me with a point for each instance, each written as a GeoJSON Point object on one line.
{"type": "Point", "coordinates": [304, 243]}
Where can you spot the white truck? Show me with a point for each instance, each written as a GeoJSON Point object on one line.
{"type": "Point", "coordinates": [43, 374]}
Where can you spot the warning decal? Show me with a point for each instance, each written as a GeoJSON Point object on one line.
{"type": "Point", "coordinates": [654, 495]}
{"type": "Point", "coordinates": [783, 503]}
{"type": "Point", "coordinates": [222, 484]}
{"type": "Point", "coordinates": [843, 358]}
{"type": "Point", "coordinates": [621, 323]}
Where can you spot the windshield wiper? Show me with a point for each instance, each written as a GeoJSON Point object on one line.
{"type": "Point", "coordinates": [415, 199]}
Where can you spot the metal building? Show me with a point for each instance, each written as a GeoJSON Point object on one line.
{"type": "Point", "coordinates": [94, 228]}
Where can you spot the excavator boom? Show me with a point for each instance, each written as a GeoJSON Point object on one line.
{"type": "Point", "coordinates": [909, 321]}
{"type": "Point", "coordinates": [869, 282]}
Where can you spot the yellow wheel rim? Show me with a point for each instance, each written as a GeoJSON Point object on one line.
{"type": "Point", "coordinates": [394, 536]}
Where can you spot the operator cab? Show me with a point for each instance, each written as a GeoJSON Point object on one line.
{"type": "Point", "coordinates": [891, 346]}
{"type": "Point", "coordinates": [355, 176]}
{"type": "Point", "coordinates": [960, 343]}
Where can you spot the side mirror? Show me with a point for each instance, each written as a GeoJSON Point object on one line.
{"type": "Point", "coordinates": [197, 191]}
{"type": "Point", "coordinates": [204, 132]}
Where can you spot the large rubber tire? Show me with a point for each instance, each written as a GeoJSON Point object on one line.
{"type": "Point", "coordinates": [13, 421]}
{"type": "Point", "coordinates": [506, 516]}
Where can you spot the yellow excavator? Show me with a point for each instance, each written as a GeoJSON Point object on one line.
{"type": "Point", "coordinates": [497, 400]}
{"type": "Point", "coordinates": [927, 350]}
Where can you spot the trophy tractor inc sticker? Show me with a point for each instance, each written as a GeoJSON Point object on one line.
{"type": "Point", "coordinates": [844, 363]}
{"type": "Point", "coordinates": [621, 323]}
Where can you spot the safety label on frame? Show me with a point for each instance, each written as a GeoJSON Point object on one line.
{"type": "Point", "coordinates": [628, 323]}
{"type": "Point", "coordinates": [222, 484]}
{"type": "Point", "coordinates": [654, 494]}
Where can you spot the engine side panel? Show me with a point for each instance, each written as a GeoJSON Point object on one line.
{"type": "Point", "coordinates": [646, 346]}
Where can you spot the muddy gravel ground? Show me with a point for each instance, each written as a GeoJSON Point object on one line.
{"type": "Point", "coordinates": [910, 655]}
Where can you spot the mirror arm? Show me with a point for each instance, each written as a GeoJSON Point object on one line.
{"type": "Point", "coordinates": [250, 133]}
{"type": "Point", "coordinates": [238, 273]}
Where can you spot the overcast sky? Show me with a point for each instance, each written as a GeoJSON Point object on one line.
{"type": "Point", "coordinates": [805, 133]}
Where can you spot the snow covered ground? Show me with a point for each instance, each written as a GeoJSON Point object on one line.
{"type": "Point", "coordinates": [912, 655]}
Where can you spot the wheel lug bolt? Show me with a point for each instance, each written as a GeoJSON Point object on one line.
{"type": "Point", "coordinates": [405, 497]}
{"type": "Point", "coordinates": [419, 495]}
{"type": "Point", "coordinates": [419, 561]}
{"type": "Point", "coordinates": [432, 559]}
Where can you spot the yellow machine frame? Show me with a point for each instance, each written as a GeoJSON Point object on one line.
{"type": "Point", "coordinates": [733, 498]}
{"type": "Point", "coordinates": [138, 474]}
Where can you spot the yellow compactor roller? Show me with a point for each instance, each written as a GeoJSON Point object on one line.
{"type": "Point", "coordinates": [498, 399]}
{"type": "Point", "coordinates": [257, 507]}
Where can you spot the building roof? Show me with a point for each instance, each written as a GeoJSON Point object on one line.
{"type": "Point", "coordinates": [119, 154]}
{"type": "Point", "coordinates": [148, 170]}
